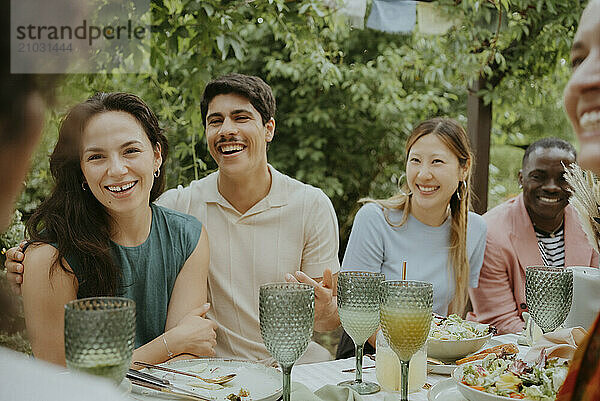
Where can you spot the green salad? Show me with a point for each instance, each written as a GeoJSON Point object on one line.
{"type": "Point", "coordinates": [513, 378]}
{"type": "Point", "coordinates": [455, 328]}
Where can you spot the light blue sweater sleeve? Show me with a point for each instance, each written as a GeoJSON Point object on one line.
{"type": "Point", "coordinates": [365, 250]}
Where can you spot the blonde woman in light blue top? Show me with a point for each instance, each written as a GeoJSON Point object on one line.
{"type": "Point", "coordinates": [428, 225]}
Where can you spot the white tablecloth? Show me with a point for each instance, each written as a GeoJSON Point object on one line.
{"type": "Point", "coordinates": [316, 375]}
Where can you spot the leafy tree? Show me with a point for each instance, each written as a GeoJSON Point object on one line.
{"type": "Point", "coordinates": [347, 98]}
{"type": "Point", "coordinates": [521, 48]}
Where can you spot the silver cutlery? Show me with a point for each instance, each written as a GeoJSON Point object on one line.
{"type": "Point", "coordinates": [354, 369]}
{"type": "Point", "coordinates": [216, 380]}
{"type": "Point", "coordinates": [163, 385]}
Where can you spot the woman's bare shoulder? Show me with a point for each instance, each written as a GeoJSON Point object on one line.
{"type": "Point", "coordinates": [40, 255]}
{"type": "Point", "coordinates": [40, 250]}
{"type": "Point", "coordinates": [40, 258]}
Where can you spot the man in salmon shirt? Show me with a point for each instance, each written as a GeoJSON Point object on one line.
{"type": "Point", "coordinates": [538, 227]}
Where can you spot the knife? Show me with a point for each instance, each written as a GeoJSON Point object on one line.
{"type": "Point", "coordinates": [165, 390]}
{"type": "Point", "coordinates": [156, 383]}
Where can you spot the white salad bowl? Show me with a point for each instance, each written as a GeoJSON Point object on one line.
{"type": "Point", "coordinates": [451, 350]}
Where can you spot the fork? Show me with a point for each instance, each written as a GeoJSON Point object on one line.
{"type": "Point", "coordinates": [216, 380]}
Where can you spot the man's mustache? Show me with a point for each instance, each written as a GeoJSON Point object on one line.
{"type": "Point", "coordinates": [229, 139]}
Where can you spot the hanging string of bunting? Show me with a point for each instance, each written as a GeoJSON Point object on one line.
{"type": "Point", "coordinates": [398, 16]}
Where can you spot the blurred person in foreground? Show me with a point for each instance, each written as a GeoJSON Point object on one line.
{"type": "Point", "coordinates": [21, 120]}
{"type": "Point", "coordinates": [537, 227]}
{"type": "Point", "coordinates": [582, 103]}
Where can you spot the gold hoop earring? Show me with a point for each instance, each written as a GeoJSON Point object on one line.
{"type": "Point", "coordinates": [399, 182]}
{"type": "Point", "coordinates": [84, 186]}
{"type": "Point", "coordinates": [464, 184]}
{"type": "Point", "coordinates": [400, 190]}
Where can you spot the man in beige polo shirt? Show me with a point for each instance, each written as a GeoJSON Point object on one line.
{"type": "Point", "coordinates": [263, 226]}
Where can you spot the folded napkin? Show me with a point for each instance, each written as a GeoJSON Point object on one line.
{"type": "Point", "coordinates": [559, 343]}
{"type": "Point", "coordinates": [531, 332]}
{"type": "Point", "coordinates": [586, 297]}
{"type": "Point", "coordinates": [328, 392]}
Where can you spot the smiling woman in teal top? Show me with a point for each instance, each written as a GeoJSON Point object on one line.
{"type": "Point", "coordinates": [98, 234]}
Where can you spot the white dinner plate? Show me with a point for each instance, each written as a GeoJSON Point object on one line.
{"type": "Point", "coordinates": [440, 369]}
{"type": "Point", "coordinates": [445, 390]}
{"type": "Point", "coordinates": [448, 368]}
{"type": "Point", "coordinates": [262, 382]}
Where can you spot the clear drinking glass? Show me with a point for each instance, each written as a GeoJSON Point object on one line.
{"type": "Point", "coordinates": [387, 367]}
{"type": "Point", "coordinates": [287, 316]}
{"type": "Point", "coordinates": [549, 294]}
{"type": "Point", "coordinates": [405, 320]}
{"type": "Point", "coordinates": [100, 336]}
{"type": "Point", "coordinates": [358, 307]}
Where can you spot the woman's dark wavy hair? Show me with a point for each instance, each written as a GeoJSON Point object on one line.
{"type": "Point", "coordinates": [71, 218]}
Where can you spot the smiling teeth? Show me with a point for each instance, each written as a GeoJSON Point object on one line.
{"type": "Point", "coordinates": [427, 189]}
{"type": "Point", "coordinates": [590, 120]}
{"type": "Point", "coordinates": [231, 148]}
{"type": "Point", "coordinates": [116, 188]}
{"type": "Point", "coordinates": [551, 200]}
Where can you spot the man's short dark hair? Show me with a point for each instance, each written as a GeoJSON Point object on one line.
{"type": "Point", "coordinates": [251, 87]}
{"type": "Point", "coordinates": [549, 143]}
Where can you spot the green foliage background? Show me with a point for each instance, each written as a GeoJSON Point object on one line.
{"type": "Point", "coordinates": [347, 98]}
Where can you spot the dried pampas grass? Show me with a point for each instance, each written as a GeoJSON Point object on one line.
{"type": "Point", "coordinates": [585, 198]}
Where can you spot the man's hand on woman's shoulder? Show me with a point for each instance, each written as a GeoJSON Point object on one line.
{"type": "Point", "coordinates": [14, 267]}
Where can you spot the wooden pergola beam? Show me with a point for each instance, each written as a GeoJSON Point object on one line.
{"type": "Point", "coordinates": [479, 124]}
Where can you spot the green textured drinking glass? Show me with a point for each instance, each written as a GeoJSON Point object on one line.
{"type": "Point", "coordinates": [405, 320]}
{"type": "Point", "coordinates": [549, 294]}
{"type": "Point", "coordinates": [287, 317]}
{"type": "Point", "coordinates": [358, 307]}
{"type": "Point", "coordinates": [100, 336]}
